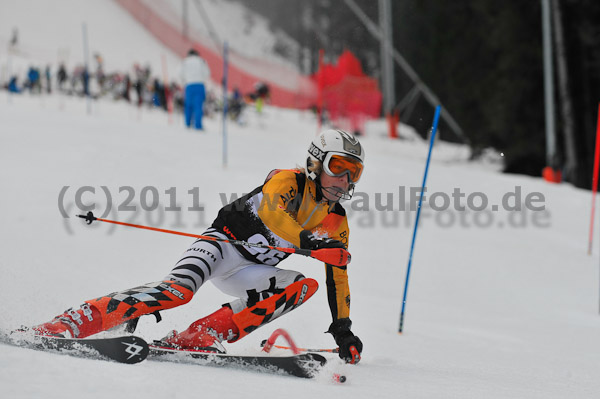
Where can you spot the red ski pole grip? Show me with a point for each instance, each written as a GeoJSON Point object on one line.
{"type": "Point", "coordinates": [333, 256]}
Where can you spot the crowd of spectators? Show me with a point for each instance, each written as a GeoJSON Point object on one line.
{"type": "Point", "coordinates": [138, 87]}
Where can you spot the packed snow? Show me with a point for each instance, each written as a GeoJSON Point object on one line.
{"type": "Point", "coordinates": [500, 304]}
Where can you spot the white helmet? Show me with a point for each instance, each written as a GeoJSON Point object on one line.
{"type": "Point", "coordinates": [337, 153]}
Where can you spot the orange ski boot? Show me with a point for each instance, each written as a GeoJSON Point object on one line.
{"type": "Point", "coordinates": [205, 334]}
{"type": "Point", "coordinates": [72, 323]}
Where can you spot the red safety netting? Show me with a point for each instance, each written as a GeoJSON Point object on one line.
{"type": "Point", "coordinates": [287, 87]}
{"type": "Point", "coordinates": [347, 94]}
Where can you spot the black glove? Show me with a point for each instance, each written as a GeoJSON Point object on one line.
{"type": "Point", "coordinates": [340, 329]}
{"type": "Point", "coordinates": [309, 241]}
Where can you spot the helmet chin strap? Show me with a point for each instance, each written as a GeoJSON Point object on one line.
{"type": "Point", "coordinates": [335, 191]}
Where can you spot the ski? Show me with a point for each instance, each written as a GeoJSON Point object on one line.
{"type": "Point", "coordinates": [305, 365]}
{"type": "Point", "coordinates": [125, 349]}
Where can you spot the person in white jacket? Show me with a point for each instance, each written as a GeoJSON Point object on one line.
{"type": "Point", "coordinates": [195, 73]}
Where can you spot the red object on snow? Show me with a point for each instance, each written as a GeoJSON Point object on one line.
{"type": "Point", "coordinates": [287, 87]}
{"type": "Point", "coordinates": [350, 96]}
{"type": "Point", "coordinates": [393, 119]}
{"type": "Point", "coordinates": [551, 175]}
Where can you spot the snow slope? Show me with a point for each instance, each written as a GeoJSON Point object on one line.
{"type": "Point", "coordinates": [50, 32]}
{"type": "Point", "coordinates": [247, 32]}
{"type": "Point", "coordinates": [499, 306]}
{"type": "Point", "coordinates": [492, 312]}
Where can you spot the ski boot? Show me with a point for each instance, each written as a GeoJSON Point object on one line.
{"type": "Point", "coordinates": [111, 310]}
{"type": "Point", "coordinates": [205, 334]}
{"type": "Point", "coordinates": [72, 323]}
{"type": "Point", "coordinates": [208, 333]}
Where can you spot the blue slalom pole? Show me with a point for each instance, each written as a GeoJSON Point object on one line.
{"type": "Point", "coordinates": [414, 237]}
{"type": "Point", "coordinates": [225, 105]}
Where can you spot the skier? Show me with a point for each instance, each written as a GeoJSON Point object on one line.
{"type": "Point", "coordinates": [195, 74]}
{"type": "Point", "coordinates": [293, 208]}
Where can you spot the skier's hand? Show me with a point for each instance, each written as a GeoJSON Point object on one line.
{"type": "Point", "coordinates": [309, 241]}
{"type": "Point", "coordinates": [350, 345]}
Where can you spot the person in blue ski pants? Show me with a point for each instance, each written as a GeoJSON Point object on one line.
{"type": "Point", "coordinates": [195, 94]}
{"type": "Point", "coordinates": [195, 73]}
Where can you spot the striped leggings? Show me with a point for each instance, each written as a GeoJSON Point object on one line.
{"type": "Point", "coordinates": [230, 272]}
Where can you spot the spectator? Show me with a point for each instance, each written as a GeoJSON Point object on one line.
{"type": "Point", "coordinates": [177, 96]}
{"type": "Point", "coordinates": [33, 83]}
{"type": "Point", "coordinates": [141, 80]}
{"type": "Point", "coordinates": [61, 77]}
{"type": "Point", "coordinates": [86, 81]}
{"type": "Point", "coordinates": [12, 85]}
{"type": "Point", "coordinates": [100, 76]}
{"type": "Point", "coordinates": [48, 80]}
{"type": "Point", "coordinates": [236, 105]}
{"type": "Point", "coordinates": [260, 95]}
{"type": "Point", "coordinates": [195, 74]}
{"type": "Point", "coordinates": [126, 87]}
{"type": "Point", "coordinates": [159, 98]}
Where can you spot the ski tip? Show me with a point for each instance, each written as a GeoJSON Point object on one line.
{"type": "Point", "coordinates": [126, 349]}
{"type": "Point", "coordinates": [136, 350]}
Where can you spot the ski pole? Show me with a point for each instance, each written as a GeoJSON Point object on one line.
{"type": "Point", "coordinates": [268, 344]}
{"type": "Point", "coordinates": [414, 237]}
{"type": "Point", "coordinates": [332, 256]}
{"type": "Point", "coordinates": [327, 350]}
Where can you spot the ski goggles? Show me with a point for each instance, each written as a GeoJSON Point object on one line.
{"type": "Point", "coordinates": [339, 165]}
